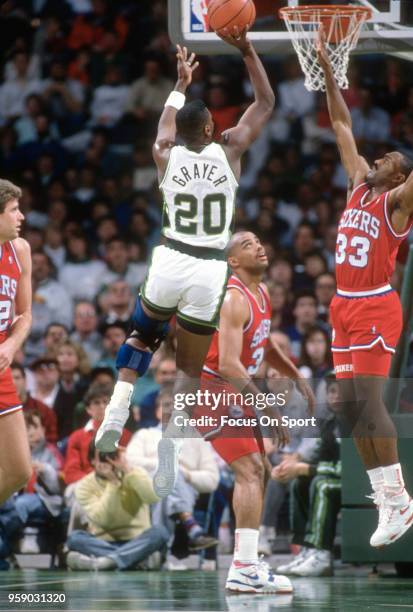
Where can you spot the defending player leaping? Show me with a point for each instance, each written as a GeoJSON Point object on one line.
{"type": "Point", "coordinates": [234, 357]}
{"type": "Point", "coordinates": [366, 313]}
{"type": "Point", "coordinates": [15, 321]}
{"type": "Point", "coordinates": [188, 273]}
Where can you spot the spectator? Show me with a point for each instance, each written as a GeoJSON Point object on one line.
{"type": "Point", "coordinates": [117, 302]}
{"type": "Point", "coordinates": [55, 335]}
{"type": "Point", "coordinates": [85, 332]}
{"type": "Point", "coordinates": [224, 114]}
{"type": "Point", "coordinates": [47, 416]}
{"type": "Point", "coordinates": [14, 92]}
{"type": "Point", "coordinates": [65, 98]}
{"type": "Point", "coordinates": [45, 379]}
{"type": "Point", "coordinates": [315, 359]}
{"type": "Point", "coordinates": [41, 500]}
{"type": "Point", "coordinates": [315, 485]}
{"type": "Point", "coordinates": [113, 336]}
{"type": "Point", "coordinates": [110, 99]}
{"type": "Point", "coordinates": [165, 374]}
{"type": "Point", "coordinates": [118, 266]}
{"type": "Point", "coordinates": [52, 293]}
{"type": "Point", "coordinates": [79, 265]}
{"type": "Point", "coordinates": [325, 289]}
{"type": "Point", "coordinates": [77, 463]}
{"type": "Point", "coordinates": [115, 499]}
{"type": "Point", "coordinates": [371, 124]}
{"type": "Point", "coordinates": [198, 473]}
{"type": "Point", "coordinates": [73, 369]}
{"type": "Point", "coordinates": [54, 246]}
{"type": "Point", "coordinates": [278, 298]}
{"type": "Point", "coordinates": [147, 94]}
{"type": "Point", "coordinates": [305, 317]}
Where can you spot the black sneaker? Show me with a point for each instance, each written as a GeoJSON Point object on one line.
{"type": "Point", "coordinates": [202, 541]}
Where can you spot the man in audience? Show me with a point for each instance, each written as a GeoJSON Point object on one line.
{"type": "Point", "coordinates": [115, 499]}
{"type": "Point", "coordinates": [85, 332]}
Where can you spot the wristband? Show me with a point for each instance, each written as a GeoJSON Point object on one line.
{"type": "Point", "coordinates": [176, 99]}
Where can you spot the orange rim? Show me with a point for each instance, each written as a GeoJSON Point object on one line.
{"type": "Point", "coordinates": [307, 13]}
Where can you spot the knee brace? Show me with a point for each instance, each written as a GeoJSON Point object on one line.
{"type": "Point", "coordinates": [133, 359]}
{"type": "Point", "coordinates": [146, 329]}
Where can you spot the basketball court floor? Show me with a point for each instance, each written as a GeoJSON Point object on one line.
{"type": "Point", "coordinates": [351, 589]}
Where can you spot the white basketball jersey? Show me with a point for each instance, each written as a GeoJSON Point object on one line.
{"type": "Point", "coordinates": [199, 197]}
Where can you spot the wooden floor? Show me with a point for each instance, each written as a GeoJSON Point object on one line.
{"type": "Point", "coordinates": [351, 589]}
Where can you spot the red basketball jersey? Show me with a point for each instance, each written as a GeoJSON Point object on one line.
{"type": "Point", "coordinates": [10, 271]}
{"type": "Point", "coordinates": [367, 245]}
{"type": "Point", "coordinates": [255, 335]}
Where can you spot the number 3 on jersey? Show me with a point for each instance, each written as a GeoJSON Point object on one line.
{"type": "Point", "coordinates": [360, 257]}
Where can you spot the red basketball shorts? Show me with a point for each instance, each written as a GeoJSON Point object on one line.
{"type": "Point", "coordinates": [230, 441]}
{"type": "Point", "coordinates": [9, 400]}
{"type": "Point", "coordinates": [366, 331]}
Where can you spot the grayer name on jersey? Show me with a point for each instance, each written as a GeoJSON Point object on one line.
{"type": "Point", "coordinates": [8, 286]}
{"type": "Point", "coordinates": [261, 333]}
{"type": "Point", "coordinates": [199, 171]}
{"type": "Point", "coordinates": [362, 220]}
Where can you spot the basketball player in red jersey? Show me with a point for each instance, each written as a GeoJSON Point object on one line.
{"type": "Point", "coordinates": [15, 321]}
{"type": "Point", "coordinates": [235, 355]}
{"type": "Point", "coordinates": [366, 314]}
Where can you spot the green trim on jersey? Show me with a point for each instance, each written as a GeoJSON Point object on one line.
{"type": "Point", "coordinates": [229, 165]}
{"type": "Point", "coordinates": [200, 252]}
{"type": "Point", "coordinates": [157, 309]}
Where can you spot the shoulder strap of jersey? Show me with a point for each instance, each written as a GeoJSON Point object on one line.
{"type": "Point", "coordinates": [235, 283]}
{"type": "Point", "coordinates": [387, 216]}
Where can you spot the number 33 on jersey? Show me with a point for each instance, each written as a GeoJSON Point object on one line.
{"type": "Point", "coordinates": [199, 193]}
{"type": "Point", "coordinates": [367, 244]}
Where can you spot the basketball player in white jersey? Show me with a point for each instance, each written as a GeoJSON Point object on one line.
{"type": "Point", "coordinates": [188, 273]}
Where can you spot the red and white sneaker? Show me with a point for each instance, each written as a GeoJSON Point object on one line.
{"type": "Point", "coordinates": [394, 520]}
{"type": "Point", "coordinates": [256, 577]}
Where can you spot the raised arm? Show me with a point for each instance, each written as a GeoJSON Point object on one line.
{"type": "Point", "coordinates": [165, 138]}
{"type": "Point", "coordinates": [238, 139]}
{"type": "Point", "coordinates": [354, 164]}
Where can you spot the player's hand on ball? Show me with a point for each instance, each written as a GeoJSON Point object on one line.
{"type": "Point", "coordinates": [307, 393]}
{"type": "Point", "coordinates": [186, 65]}
{"type": "Point", "coordinates": [235, 37]}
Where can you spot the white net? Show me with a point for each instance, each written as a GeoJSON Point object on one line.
{"type": "Point", "coordinates": [342, 26]}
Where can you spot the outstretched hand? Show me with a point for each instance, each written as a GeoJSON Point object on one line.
{"type": "Point", "coordinates": [186, 65]}
{"type": "Point", "coordinates": [235, 37]}
{"type": "Point", "coordinates": [322, 54]}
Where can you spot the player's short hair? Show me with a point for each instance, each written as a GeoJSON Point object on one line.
{"type": "Point", "coordinates": [8, 191]}
{"type": "Point", "coordinates": [191, 119]}
{"type": "Point", "coordinates": [406, 165]}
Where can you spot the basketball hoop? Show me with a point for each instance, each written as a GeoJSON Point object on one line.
{"type": "Point", "coordinates": [342, 26]}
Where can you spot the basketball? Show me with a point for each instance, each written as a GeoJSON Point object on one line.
{"type": "Point", "coordinates": [229, 13]}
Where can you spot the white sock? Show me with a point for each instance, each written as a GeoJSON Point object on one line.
{"type": "Point", "coordinates": [394, 483]}
{"type": "Point", "coordinates": [246, 545]}
{"type": "Point", "coordinates": [376, 478]}
{"type": "Point", "coordinates": [393, 476]}
{"type": "Point", "coordinates": [121, 396]}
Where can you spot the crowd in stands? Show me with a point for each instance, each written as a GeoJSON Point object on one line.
{"type": "Point", "coordinates": [83, 85]}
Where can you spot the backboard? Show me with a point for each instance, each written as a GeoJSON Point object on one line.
{"type": "Point", "coordinates": [389, 31]}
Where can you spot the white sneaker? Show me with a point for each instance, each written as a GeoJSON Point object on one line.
{"type": "Point", "coordinates": [77, 561]}
{"type": "Point", "coordinates": [167, 472]}
{"type": "Point", "coordinates": [394, 520]}
{"type": "Point", "coordinates": [287, 567]}
{"type": "Point", "coordinates": [317, 563]}
{"type": "Point", "coordinates": [110, 431]}
{"type": "Point", "coordinates": [256, 577]}
{"type": "Point", "coordinates": [29, 545]}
